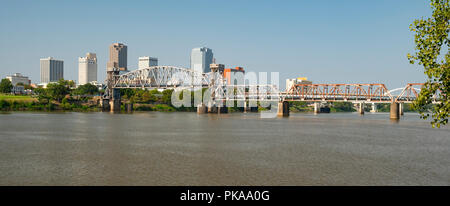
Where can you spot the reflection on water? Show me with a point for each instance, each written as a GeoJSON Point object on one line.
{"type": "Point", "coordinates": [231, 149]}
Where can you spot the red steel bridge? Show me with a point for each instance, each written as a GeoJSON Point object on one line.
{"type": "Point", "coordinates": [369, 93]}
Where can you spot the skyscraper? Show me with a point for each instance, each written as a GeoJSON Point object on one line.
{"type": "Point", "coordinates": [145, 62]}
{"type": "Point", "coordinates": [52, 70]}
{"type": "Point", "coordinates": [201, 58]}
{"type": "Point", "coordinates": [87, 68]}
{"type": "Point", "coordinates": [117, 57]}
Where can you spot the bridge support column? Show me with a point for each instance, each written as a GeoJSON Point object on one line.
{"type": "Point", "coordinates": [400, 109]}
{"type": "Point", "coordinates": [129, 107]}
{"type": "Point", "coordinates": [361, 108]}
{"type": "Point", "coordinates": [316, 108]}
{"type": "Point", "coordinates": [222, 110]}
{"type": "Point", "coordinates": [283, 109]}
{"type": "Point", "coordinates": [253, 109]}
{"type": "Point", "coordinates": [115, 105]}
{"type": "Point", "coordinates": [394, 113]}
{"type": "Point", "coordinates": [105, 105]}
{"type": "Point", "coordinates": [201, 108]}
{"type": "Point", "coordinates": [245, 107]}
{"type": "Point", "coordinates": [374, 108]}
{"type": "Point", "coordinates": [212, 108]}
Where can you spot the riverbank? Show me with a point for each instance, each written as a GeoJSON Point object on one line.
{"type": "Point", "coordinates": [27, 103]}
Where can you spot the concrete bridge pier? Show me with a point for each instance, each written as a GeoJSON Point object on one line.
{"type": "Point", "coordinates": [212, 108]}
{"type": "Point", "coordinates": [115, 105]}
{"type": "Point", "coordinates": [374, 108]}
{"type": "Point", "coordinates": [283, 109]}
{"type": "Point", "coordinates": [361, 108]}
{"type": "Point", "coordinates": [201, 108]}
{"type": "Point", "coordinates": [394, 113]}
{"type": "Point", "coordinates": [222, 110]}
{"type": "Point", "coordinates": [105, 105]}
{"type": "Point", "coordinates": [114, 102]}
{"type": "Point", "coordinates": [129, 107]}
{"type": "Point", "coordinates": [400, 109]}
{"type": "Point", "coordinates": [245, 107]}
{"type": "Point", "coordinates": [316, 108]}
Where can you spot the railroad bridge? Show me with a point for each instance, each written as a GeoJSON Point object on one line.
{"type": "Point", "coordinates": [170, 77]}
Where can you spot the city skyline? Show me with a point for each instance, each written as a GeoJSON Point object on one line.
{"type": "Point", "coordinates": [343, 45]}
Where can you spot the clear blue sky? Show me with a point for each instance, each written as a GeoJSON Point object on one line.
{"type": "Point", "coordinates": [327, 41]}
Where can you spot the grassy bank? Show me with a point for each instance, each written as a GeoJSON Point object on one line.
{"type": "Point", "coordinates": [21, 98]}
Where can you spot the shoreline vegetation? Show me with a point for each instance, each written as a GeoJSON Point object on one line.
{"type": "Point", "coordinates": [63, 96]}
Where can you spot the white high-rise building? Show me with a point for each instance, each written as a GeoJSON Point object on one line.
{"type": "Point", "coordinates": [201, 58]}
{"type": "Point", "coordinates": [87, 68]}
{"type": "Point", "coordinates": [145, 62]}
{"type": "Point", "coordinates": [52, 70]}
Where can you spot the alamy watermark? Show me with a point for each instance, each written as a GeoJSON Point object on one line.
{"type": "Point", "coordinates": [235, 89]}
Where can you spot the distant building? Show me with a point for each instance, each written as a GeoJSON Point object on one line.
{"type": "Point", "coordinates": [97, 84]}
{"type": "Point", "coordinates": [117, 57]}
{"type": "Point", "coordinates": [299, 80]}
{"type": "Point", "coordinates": [228, 71]}
{"type": "Point", "coordinates": [87, 68]}
{"type": "Point", "coordinates": [52, 70]}
{"type": "Point", "coordinates": [217, 68]}
{"type": "Point", "coordinates": [18, 78]}
{"type": "Point", "coordinates": [201, 59]}
{"type": "Point", "coordinates": [18, 89]}
{"type": "Point", "coordinates": [145, 62]}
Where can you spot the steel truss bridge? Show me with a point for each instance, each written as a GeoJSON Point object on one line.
{"type": "Point", "coordinates": [170, 77]}
{"type": "Point", "coordinates": [373, 93]}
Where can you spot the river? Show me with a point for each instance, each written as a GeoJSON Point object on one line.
{"type": "Point", "coordinates": [181, 148]}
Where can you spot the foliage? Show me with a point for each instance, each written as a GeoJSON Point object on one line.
{"type": "Point", "coordinates": [432, 36]}
{"type": "Point", "coordinates": [127, 93]}
{"type": "Point", "coordinates": [299, 107]}
{"type": "Point", "coordinates": [42, 95]}
{"type": "Point", "coordinates": [147, 96]}
{"type": "Point", "coordinates": [167, 96]}
{"type": "Point", "coordinates": [342, 107]}
{"type": "Point", "coordinates": [86, 89]}
{"type": "Point", "coordinates": [9, 97]}
{"type": "Point", "coordinates": [57, 91]}
{"type": "Point", "coordinates": [24, 106]}
{"type": "Point", "coordinates": [5, 86]}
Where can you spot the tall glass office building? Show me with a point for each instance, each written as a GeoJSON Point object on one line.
{"type": "Point", "coordinates": [52, 70]}
{"type": "Point", "coordinates": [201, 58]}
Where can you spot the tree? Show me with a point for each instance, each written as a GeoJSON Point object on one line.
{"type": "Point", "coordinates": [43, 97]}
{"type": "Point", "coordinates": [58, 91]}
{"type": "Point", "coordinates": [432, 52]}
{"type": "Point", "coordinates": [5, 86]}
{"type": "Point", "coordinates": [86, 89]}
{"type": "Point", "coordinates": [167, 96]}
{"type": "Point", "coordinates": [343, 107]}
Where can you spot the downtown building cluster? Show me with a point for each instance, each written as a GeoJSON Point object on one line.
{"type": "Point", "coordinates": [52, 69]}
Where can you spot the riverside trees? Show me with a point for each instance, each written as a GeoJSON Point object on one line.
{"type": "Point", "coordinates": [432, 52]}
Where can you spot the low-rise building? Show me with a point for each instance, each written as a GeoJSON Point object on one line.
{"type": "Point", "coordinates": [18, 89]}
{"type": "Point", "coordinates": [217, 67]}
{"type": "Point", "coordinates": [18, 78]}
{"type": "Point", "coordinates": [228, 71]}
